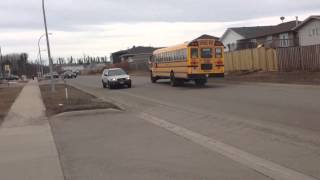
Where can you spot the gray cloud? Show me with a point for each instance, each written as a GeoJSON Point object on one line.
{"type": "Point", "coordinates": [69, 15]}
{"type": "Point", "coordinates": [98, 27]}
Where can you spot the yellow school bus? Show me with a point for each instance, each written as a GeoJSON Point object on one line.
{"type": "Point", "coordinates": [192, 61]}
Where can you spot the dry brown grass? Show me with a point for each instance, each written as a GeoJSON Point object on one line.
{"type": "Point", "coordinates": [78, 100]}
{"type": "Point", "coordinates": [277, 77]}
{"type": "Point", "coordinates": [7, 97]}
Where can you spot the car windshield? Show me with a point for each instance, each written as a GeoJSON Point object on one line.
{"type": "Point", "coordinates": [116, 72]}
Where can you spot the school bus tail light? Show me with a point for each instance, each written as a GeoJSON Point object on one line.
{"type": "Point", "coordinates": [219, 62]}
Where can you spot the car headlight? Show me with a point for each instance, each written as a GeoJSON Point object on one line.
{"type": "Point", "coordinates": [128, 78]}
{"type": "Point", "coordinates": [113, 79]}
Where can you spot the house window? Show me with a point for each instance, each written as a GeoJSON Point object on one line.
{"type": "Point", "coordinates": [269, 41]}
{"type": "Point", "coordinates": [228, 47]}
{"type": "Point", "coordinates": [269, 38]}
{"type": "Point", "coordinates": [233, 47]}
{"type": "Point", "coordinates": [253, 43]}
{"type": "Point", "coordinates": [314, 32]}
{"type": "Point", "coordinates": [284, 40]}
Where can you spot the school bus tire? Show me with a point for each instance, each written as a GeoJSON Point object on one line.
{"type": "Point", "coordinates": [153, 79]}
{"type": "Point", "coordinates": [200, 82]}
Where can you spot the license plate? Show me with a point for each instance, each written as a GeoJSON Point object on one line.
{"type": "Point", "coordinates": [121, 82]}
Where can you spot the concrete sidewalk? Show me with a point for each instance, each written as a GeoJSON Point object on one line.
{"type": "Point", "coordinates": [27, 148]}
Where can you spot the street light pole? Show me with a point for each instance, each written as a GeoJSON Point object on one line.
{"type": "Point", "coordinates": [40, 53]}
{"type": "Point", "coordinates": [40, 57]}
{"type": "Point", "coordinates": [48, 47]}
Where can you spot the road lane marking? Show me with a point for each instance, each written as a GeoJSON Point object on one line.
{"type": "Point", "coordinates": [299, 136]}
{"type": "Point", "coordinates": [263, 166]}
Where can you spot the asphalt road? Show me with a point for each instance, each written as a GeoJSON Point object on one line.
{"type": "Point", "coordinates": [222, 131]}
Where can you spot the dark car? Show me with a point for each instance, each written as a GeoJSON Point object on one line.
{"type": "Point", "coordinates": [12, 78]}
{"type": "Point", "coordinates": [48, 76]}
{"type": "Point", "coordinates": [69, 75]}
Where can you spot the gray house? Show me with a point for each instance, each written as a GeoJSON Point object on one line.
{"type": "Point", "coordinates": [137, 57]}
{"type": "Point", "coordinates": [309, 31]}
{"type": "Point", "coordinates": [281, 35]}
{"type": "Point", "coordinates": [115, 57]}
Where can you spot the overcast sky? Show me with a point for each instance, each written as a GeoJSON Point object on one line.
{"type": "Point", "coordinates": [99, 27]}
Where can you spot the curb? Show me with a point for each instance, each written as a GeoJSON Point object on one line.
{"type": "Point", "coordinates": [85, 112]}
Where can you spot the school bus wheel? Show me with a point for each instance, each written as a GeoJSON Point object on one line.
{"type": "Point", "coordinates": [153, 79]}
{"type": "Point", "coordinates": [200, 82]}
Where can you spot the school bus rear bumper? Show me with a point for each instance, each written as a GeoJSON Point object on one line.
{"type": "Point", "coordinates": [204, 76]}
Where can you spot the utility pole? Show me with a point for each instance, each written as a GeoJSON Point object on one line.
{"type": "Point", "coordinates": [48, 47]}
{"type": "Point", "coordinates": [39, 53]}
{"type": "Point", "coordinates": [40, 58]}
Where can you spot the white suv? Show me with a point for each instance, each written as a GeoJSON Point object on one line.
{"type": "Point", "coordinates": [116, 77]}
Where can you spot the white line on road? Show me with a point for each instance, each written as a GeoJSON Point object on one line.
{"type": "Point", "coordinates": [263, 166]}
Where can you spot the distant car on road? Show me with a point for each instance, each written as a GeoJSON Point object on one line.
{"type": "Point", "coordinates": [116, 77]}
{"type": "Point", "coordinates": [12, 78]}
{"type": "Point", "coordinates": [69, 75]}
{"type": "Point", "coordinates": [48, 76]}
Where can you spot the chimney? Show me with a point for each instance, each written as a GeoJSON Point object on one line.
{"type": "Point", "coordinates": [297, 20]}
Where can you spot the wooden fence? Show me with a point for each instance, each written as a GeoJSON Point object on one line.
{"type": "Point", "coordinates": [251, 59]}
{"type": "Point", "coordinates": [305, 58]}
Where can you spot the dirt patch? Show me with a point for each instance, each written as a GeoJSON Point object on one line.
{"type": "Point", "coordinates": [78, 100]}
{"type": "Point", "coordinates": [312, 78]}
{"type": "Point", "coordinates": [7, 97]}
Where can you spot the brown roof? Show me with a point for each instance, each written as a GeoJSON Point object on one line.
{"type": "Point", "coordinates": [206, 36]}
{"type": "Point", "coordinates": [136, 50]}
{"type": "Point", "coordinates": [251, 32]}
{"type": "Point", "coordinates": [140, 50]}
{"type": "Point", "coordinates": [280, 28]}
{"type": "Point", "coordinates": [260, 31]}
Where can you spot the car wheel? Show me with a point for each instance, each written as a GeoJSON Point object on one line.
{"type": "Point", "coordinates": [129, 85]}
{"type": "Point", "coordinates": [153, 79]}
{"type": "Point", "coordinates": [110, 86]}
{"type": "Point", "coordinates": [104, 85]}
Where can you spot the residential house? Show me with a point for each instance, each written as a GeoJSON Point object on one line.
{"type": "Point", "coordinates": [115, 57]}
{"type": "Point", "coordinates": [232, 36]}
{"type": "Point", "coordinates": [281, 35]}
{"type": "Point", "coordinates": [309, 31]}
{"type": "Point", "coordinates": [139, 53]}
{"type": "Point", "coordinates": [137, 57]}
